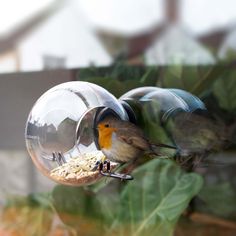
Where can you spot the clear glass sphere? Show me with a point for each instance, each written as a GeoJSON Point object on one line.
{"type": "Point", "coordinates": [163, 103]}
{"type": "Point", "coordinates": [62, 122]}
{"type": "Point", "coordinates": [182, 115]}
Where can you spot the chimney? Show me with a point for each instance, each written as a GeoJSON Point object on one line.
{"type": "Point", "coordinates": [172, 11]}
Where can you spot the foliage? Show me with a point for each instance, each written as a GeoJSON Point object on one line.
{"type": "Point", "coordinates": [161, 191]}
{"type": "Point", "coordinates": [150, 204]}
{"type": "Point", "coordinates": [157, 198]}
{"type": "Point", "coordinates": [224, 91]}
{"type": "Point", "coordinates": [216, 86]}
{"type": "Point", "coordinates": [120, 79]}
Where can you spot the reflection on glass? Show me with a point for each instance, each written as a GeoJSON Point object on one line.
{"type": "Point", "coordinates": [62, 122]}
{"type": "Point", "coordinates": [178, 113]}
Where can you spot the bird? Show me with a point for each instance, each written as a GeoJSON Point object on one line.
{"type": "Point", "coordinates": [122, 141]}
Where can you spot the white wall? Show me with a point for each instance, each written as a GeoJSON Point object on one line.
{"type": "Point", "coordinates": [8, 64]}
{"type": "Point", "coordinates": [65, 34]}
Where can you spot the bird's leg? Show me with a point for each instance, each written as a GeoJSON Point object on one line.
{"type": "Point", "coordinates": [108, 165]}
{"type": "Point", "coordinates": [102, 161]}
{"type": "Point", "coordinates": [97, 164]}
{"type": "Point", "coordinates": [100, 166]}
{"type": "Point", "coordinates": [108, 173]}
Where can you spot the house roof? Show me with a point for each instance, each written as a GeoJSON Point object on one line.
{"type": "Point", "coordinates": [177, 46]}
{"type": "Point", "coordinates": [213, 39]}
{"type": "Point", "coordinates": [228, 45]}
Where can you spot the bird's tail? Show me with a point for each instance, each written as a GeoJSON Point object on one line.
{"type": "Point", "coordinates": [163, 145]}
{"type": "Point", "coordinates": [159, 149]}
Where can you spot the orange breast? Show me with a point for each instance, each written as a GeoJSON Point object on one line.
{"type": "Point", "coordinates": [105, 137]}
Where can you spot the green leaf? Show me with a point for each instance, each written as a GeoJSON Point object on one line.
{"type": "Point", "coordinates": [192, 78]}
{"type": "Point", "coordinates": [205, 79]}
{"type": "Point", "coordinates": [172, 77]}
{"type": "Point", "coordinates": [151, 124]}
{"type": "Point", "coordinates": [176, 70]}
{"type": "Point", "coordinates": [225, 91]}
{"type": "Point", "coordinates": [151, 113]}
{"type": "Point", "coordinates": [156, 197]}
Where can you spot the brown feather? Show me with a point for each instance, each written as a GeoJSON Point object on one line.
{"type": "Point", "coordinates": [137, 142]}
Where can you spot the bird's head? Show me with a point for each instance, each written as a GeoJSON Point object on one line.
{"type": "Point", "coordinates": [105, 129]}
{"type": "Point", "coordinates": [107, 125]}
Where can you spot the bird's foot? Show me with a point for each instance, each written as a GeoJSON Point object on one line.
{"type": "Point", "coordinates": [107, 171]}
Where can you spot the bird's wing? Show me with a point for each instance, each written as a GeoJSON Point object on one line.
{"type": "Point", "coordinates": [138, 142]}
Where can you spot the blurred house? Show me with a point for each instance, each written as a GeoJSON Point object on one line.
{"type": "Point", "coordinates": [167, 40]}
{"type": "Point", "coordinates": [128, 46]}
{"type": "Point", "coordinates": [77, 33]}
{"type": "Point", "coordinates": [57, 37]}
{"type": "Point", "coordinates": [126, 29]}
{"type": "Point", "coordinates": [213, 39]}
{"type": "Point", "coordinates": [176, 45]}
{"type": "Point", "coordinates": [164, 41]}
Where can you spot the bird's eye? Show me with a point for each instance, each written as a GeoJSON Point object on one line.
{"type": "Point", "coordinates": [106, 125]}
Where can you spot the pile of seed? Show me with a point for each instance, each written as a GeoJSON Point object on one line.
{"type": "Point", "coordinates": [79, 170]}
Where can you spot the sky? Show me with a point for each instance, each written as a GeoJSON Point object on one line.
{"type": "Point", "coordinates": [14, 12]}
{"type": "Point", "coordinates": [133, 15]}
{"type": "Point", "coordinates": [204, 15]}
{"type": "Point", "coordinates": [128, 16]}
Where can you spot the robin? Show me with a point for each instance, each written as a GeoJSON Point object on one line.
{"type": "Point", "coordinates": [122, 141]}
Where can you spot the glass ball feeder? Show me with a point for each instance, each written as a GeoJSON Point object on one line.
{"type": "Point", "coordinates": [60, 127]}
{"type": "Point", "coordinates": [166, 101]}
{"type": "Point", "coordinates": [60, 134]}
{"type": "Point", "coordinates": [183, 115]}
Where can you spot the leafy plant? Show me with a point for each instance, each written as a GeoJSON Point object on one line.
{"type": "Point", "coordinates": [161, 191]}
{"type": "Point", "coordinates": [196, 80]}
{"type": "Point", "coordinates": [224, 91]}
{"type": "Point", "coordinates": [156, 199]}
{"type": "Point", "coordinates": [151, 203]}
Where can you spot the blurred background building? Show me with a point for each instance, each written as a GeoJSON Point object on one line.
{"type": "Point", "coordinates": [52, 36]}
{"type": "Point", "coordinates": [76, 33]}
